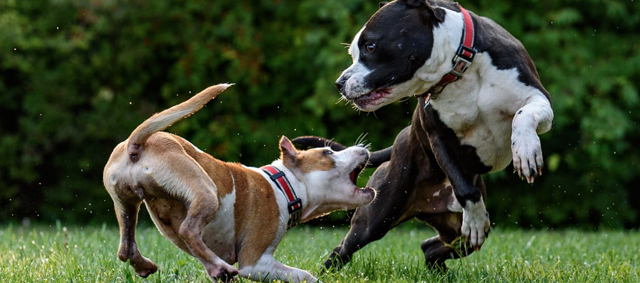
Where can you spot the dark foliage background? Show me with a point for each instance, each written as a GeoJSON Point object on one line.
{"type": "Point", "coordinates": [77, 76]}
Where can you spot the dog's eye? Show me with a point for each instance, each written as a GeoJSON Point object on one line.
{"type": "Point", "coordinates": [370, 47]}
{"type": "Point", "coordinates": [327, 152]}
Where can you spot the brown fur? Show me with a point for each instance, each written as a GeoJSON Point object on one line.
{"type": "Point", "coordinates": [259, 232]}
{"type": "Point", "coordinates": [315, 161]}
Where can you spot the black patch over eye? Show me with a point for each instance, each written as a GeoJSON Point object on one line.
{"type": "Point", "coordinates": [370, 47]}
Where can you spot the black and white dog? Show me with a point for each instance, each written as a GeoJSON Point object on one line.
{"type": "Point", "coordinates": [481, 105]}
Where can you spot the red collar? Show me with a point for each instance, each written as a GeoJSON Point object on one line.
{"type": "Point", "coordinates": [294, 203]}
{"type": "Point", "coordinates": [461, 61]}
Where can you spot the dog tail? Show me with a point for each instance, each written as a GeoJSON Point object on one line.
{"type": "Point", "coordinates": [166, 118]}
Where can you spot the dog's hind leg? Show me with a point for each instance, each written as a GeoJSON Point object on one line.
{"type": "Point", "coordinates": [191, 233]}
{"type": "Point", "coordinates": [183, 178]}
{"type": "Point", "coordinates": [448, 244]}
{"type": "Point", "coordinates": [127, 197]}
{"type": "Point", "coordinates": [127, 214]}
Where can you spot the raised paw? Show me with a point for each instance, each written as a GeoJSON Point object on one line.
{"type": "Point", "coordinates": [475, 223]}
{"type": "Point", "coordinates": [527, 156]}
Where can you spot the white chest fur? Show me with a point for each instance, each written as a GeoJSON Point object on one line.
{"type": "Point", "coordinates": [480, 108]}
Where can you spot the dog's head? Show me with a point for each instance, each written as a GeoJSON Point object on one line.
{"type": "Point", "coordinates": [387, 52]}
{"type": "Point", "coordinates": [329, 176]}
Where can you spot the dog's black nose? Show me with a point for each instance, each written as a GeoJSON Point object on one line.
{"type": "Point", "coordinates": [340, 84]}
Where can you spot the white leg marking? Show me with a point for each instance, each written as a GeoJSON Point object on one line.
{"type": "Point", "coordinates": [529, 121]}
{"type": "Point", "coordinates": [475, 223]}
{"type": "Point", "coordinates": [269, 269]}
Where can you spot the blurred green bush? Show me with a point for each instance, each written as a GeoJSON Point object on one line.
{"type": "Point", "coordinates": [76, 77]}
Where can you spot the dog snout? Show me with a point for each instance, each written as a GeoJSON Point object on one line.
{"type": "Point", "coordinates": [364, 152]}
{"type": "Point", "coordinates": [340, 84]}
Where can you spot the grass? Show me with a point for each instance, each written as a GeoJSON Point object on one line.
{"type": "Point", "coordinates": [88, 254]}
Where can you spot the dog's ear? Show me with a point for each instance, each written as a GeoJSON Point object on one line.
{"type": "Point", "coordinates": [309, 142]}
{"type": "Point", "coordinates": [415, 3]}
{"type": "Point", "coordinates": [382, 4]}
{"type": "Point", "coordinates": [288, 153]}
{"type": "Point", "coordinates": [437, 12]}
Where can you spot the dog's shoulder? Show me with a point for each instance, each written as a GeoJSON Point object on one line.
{"type": "Point", "coordinates": [506, 51]}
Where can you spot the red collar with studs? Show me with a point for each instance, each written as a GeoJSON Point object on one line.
{"type": "Point", "coordinates": [294, 203]}
{"type": "Point", "coordinates": [461, 61]}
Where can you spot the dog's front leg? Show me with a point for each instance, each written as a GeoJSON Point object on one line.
{"type": "Point", "coordinates": [127, 214]}
{"type": "Point", "coordinates": [269, 269]}
{"type": "Point", "coordinates": [475, 218]}
{"type": "Point", "coordinates": [534, 118]}
{"type": "Point", "coordinates": [446, 149]}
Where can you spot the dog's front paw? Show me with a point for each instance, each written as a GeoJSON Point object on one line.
{"type": "Point", "coordinates": [475, 223]}
{"type": "Point", "coordinates": [527, 156]}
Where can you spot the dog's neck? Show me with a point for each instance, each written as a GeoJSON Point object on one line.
{"type": "Point", "coordinates": [312, 206]}
{"type": "Point", "coordinates": [447, 37]}
{"type": "Point", "coordinates": [298, 187]}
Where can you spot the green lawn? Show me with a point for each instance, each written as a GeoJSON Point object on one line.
{"type": "Point", "coordinates": [88, 254]}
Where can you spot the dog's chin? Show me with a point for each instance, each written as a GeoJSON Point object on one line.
{"type": "Point", "coordinates": [373, 100]}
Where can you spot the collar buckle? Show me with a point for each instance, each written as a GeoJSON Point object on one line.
{"type": "Point", "coordinates": [295, 211]}
{"type": "Point", "coordinates": [462, 60]}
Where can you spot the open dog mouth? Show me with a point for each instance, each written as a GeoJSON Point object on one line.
{"type": "Point", "coordinates": [356, 173]}
{"type": "Point", "coordinates": [373, 96]}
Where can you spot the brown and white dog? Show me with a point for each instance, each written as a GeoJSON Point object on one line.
{"type": "Point", "coordinates": [219, 212]}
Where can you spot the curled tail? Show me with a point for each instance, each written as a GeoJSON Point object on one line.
{"type": "Point", "coordinates": [166, 118]}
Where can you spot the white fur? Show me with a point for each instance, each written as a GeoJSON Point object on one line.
{"type": "Point", "coordinates": [345, 161]}
{"type": "Point", "coordinates": [354, 50]}
{"type": "Point", "coordinates": [269, 269]}
{"type": "Point", "coordinates": [221, 233]}
{"type": "Point", "coordinates": [475, 222]}
{"type": "Point", "coordinates": [357, 72]}
{"type": "Point", "coordinates": [533, 119]}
